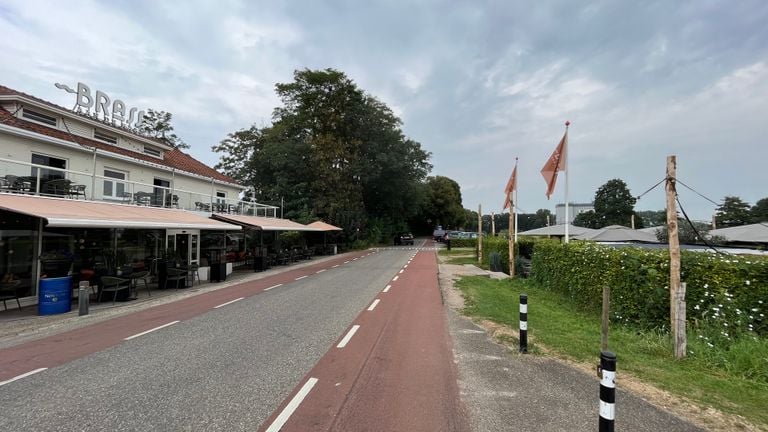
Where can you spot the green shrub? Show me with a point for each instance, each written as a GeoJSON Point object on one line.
{"type": "Point", "coordinates": [464, 243]}
{"type": "Point", "coordinates": [726, 293]}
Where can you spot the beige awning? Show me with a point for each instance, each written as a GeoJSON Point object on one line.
{"type": "Point", "coordinates": [60, 212]}
{"type": "Point", "coordinates": [262, 223]}
{"type": "Point", "coordinates": [322, 226]}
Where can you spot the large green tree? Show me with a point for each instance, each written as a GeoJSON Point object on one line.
{"type": "Point", "coordinates": [732, 212]}
{"type": "Point", "coordinates": [614, 204]}
{"type": "Point", "coordinates": [443, 203]}
{"type": "Point", "coordinates": [332, 152]}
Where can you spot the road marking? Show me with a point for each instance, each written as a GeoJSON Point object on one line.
{"type": "Point", "coordinates": [320, 271]}
{"type": "Point", "coordinates": [300, 277]}
{"type": "Point", "coordinates": [406, 266]}
{"type": "Point", "coordinates": [151, 330]}
{"type": "Point", "coordinates": [292, 405]}
{"type": "Point", "coordinates": [335, 266]}
{"type": "Point", "coordinates": [229, 302]}
{"type": "Point", "coordinates": [373, 305]}
{"type": "Point", "coordinates": [354, 259]}
{"type": "Point", "coordinates": [24, 375]}
{"type": "Point", "coordinates": [348, 336]}
{"type": "Point", "coordinates": [395, 278]}
{"type": "Point", "coordinates": [386, 289]}
{"type": "Point", "coordinates": [273, 286]}
{"type": "Point", "coordinates": [346, 262]}
{"type": "Point", "coordinates": [401, 271]}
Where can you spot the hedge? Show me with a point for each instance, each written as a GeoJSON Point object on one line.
{"type": "Point", "coordinates": [730, 292]}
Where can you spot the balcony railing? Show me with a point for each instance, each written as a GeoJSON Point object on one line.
{"type": "Point", "coordinates": [29, 178]}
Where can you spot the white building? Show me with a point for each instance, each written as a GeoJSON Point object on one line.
{"type": "Point", "coordinates": [574, 209]}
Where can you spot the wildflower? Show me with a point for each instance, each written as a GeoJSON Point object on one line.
{"type": "Point", "coordinates": [696, 307]}
{"type": "Point", "coordinates": [755, 310]}
{"type": "Point", "coordinates": [710, 345]}
{"type": "Point", "coordinates": [725, 324]}
{"type": "Point", "coordinates": [747, 282]}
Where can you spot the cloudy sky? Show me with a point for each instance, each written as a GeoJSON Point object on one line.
{"type": "Point", "coordinates": [477, 83]}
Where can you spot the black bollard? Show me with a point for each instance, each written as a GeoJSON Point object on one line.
{"type": "Point", "coordinates": [82, 300]}
{"type": "Point", "coordinates": [523, 323]}
{"type": "Point", "coordinates": [607, 391]}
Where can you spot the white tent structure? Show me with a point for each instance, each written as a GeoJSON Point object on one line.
{"type": "Point", "coordinates": [754, 233]}
{"type": "Point", "coordinates": [556, 231]}
{"type": "Point", "coordinates": [618, 233]}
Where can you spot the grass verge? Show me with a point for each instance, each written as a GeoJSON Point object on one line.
{"type": "Point", "coordinates": [567, 332]}
{"type": "Point", "coordinates": [459, 256]}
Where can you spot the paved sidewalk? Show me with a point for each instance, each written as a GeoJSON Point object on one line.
{"type": "Point", "coordinates": [507, 391]}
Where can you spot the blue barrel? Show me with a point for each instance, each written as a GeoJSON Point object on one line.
{"type": "Point", "coordinates": [55, 296]}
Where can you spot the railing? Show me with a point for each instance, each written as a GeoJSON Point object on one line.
{"type": "Point", "coordinates": [29, 178]}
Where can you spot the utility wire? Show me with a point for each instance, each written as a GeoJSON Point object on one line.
{"type": "Point", "coordinates": [694, 228]}
{"type": "Point", "coordinates": [697, 192]}
{"type": "Point", "coordinates": [651, 188]}
{"type": "Point", "coordinates": [13, 114]}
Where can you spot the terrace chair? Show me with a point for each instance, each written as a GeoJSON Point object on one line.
{"type": "Point", "coordinates": [176, 275]}
{"type": "Point", "coordinates": [114, 285]}
{"type": "Point", "coordinates": [194, 270]}
{"type": "Point", "coordinates": [142, 276]}
{"type": "Point", "coordinates": [10, 291]}
{"type": "Point", "coordinates": [76, 191]}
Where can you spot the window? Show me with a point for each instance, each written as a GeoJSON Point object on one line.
{"type": "Point", "coordinates": [113, 188]}
{"type": "Point", "coordinates": [221, 197]}
{"type": "Point", "coordinates": [152, 151]}
{"type": "Point", "coordinates": [38, 117]}
{"type": "Point", "coordinates": [49, 161]}
{"type": "Point", "coordinates": [102, 136]}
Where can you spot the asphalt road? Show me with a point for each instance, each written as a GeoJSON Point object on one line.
{"type": "Point", "coordinates": [227, 369]}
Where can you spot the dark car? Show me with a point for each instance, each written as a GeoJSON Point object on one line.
{"type": "Point", "coordinates": [404, 239]}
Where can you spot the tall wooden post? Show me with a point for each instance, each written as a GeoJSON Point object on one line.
{"type": "Point", "coordinates": [511, 235]}
{"type": "Point", "coordinates": [479, 234]}
{"type": "Point", "coordinates": [493, 224]}
{"type": "Point", "coordinates": [632, 220]}
{"type": "Point", "coordinates": [674, 248]}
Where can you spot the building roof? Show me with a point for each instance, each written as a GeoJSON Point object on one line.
{"type": "Point", "coordinates": [324, 226]}
{"type": "Point", "coordinates": [618, 233]}
{"type": "Point", "coordinates": [556, 231]}
{"type": "Point", "coordinates": [754, 233]}
{"type": "Point", "coordinates": [175, 158]}
{"type": "Point", "coordinates": [262, 223]}
{"type": "Point", "coordinates": [61, 212]}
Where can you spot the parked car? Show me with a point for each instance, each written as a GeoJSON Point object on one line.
{"type": "Point", "coordinates": [404, 239]}
{"type": "Point", "coordinates": [438, 233]}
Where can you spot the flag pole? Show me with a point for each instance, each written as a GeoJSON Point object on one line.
{"type": "Point", "coordinates": [567, 170]}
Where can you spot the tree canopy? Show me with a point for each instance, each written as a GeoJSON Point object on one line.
{"type": "Point", "coordinates": [732, 212]}
{"type": "Point", "coordinates": [614, 205]}
{"type": "Point", "coordinates": [333, 152]}
{"type": "Point", "coordinates": [759, 211]}
{"type": "Point", "coordinates": [157, 124]}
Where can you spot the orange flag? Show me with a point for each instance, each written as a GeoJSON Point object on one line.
{"type": "Point", "coordinates": [555, 163]}
{"type": "Point", "coordinates": [511, 186]}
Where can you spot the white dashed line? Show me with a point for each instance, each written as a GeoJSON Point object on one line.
{"type": "Point", "coordinates": [273, 286]}
{"type": "Point", "coordinates": [292, 405]}
{"type": "Point", "coordinates": [229, 302]}
{"type": "Point", "coordinates": [406, 266]}
{"type": "Point", "coordinates": [335, 266]}
{"type": "Point", "coordinates": [300, 277]}
{"type": "Point", "coordinates": [320, 271]}
{"type": "Point", "coordinates": [373, 305]}
{"type": "Point", "coordinates": [386, 289]}
{"type": "Point", "coordinates": [346, 262]}
{"type": "Point", "coordinates": [24, 375]}
{"type": "Point", "coordinates": [348, 336]}
{"type": "Point", "coordinates": [354, 259]}
{"type": "Point", "coordinates": [151, 330]}
{"type": "Point", "coordinates": [395, 278]}
{"type": "Point", "coordinates": [401, 271]}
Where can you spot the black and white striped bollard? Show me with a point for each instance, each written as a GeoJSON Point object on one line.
{"type": "Point", "coordinates": [607, 390]}
{"type": "Point", "coordinates": [523, 323]}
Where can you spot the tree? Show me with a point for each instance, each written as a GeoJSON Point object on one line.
{"type": "Point", "coordinates": [652, 218]}
{"type": "Point", "coordinates": [614, 204]}
{"type": "Point", "coordinates": [587, 219]}
{"type": "Point", "coordinates": [333, 152]}
{"type": "Point", "coordinates": [157, 124]}
{"type": "Point", "coordinates": [443, 205]}
{"type": "Point", "coordinates": [732, 212]}
{"type": "Point", "coordinates": [759, 212]}
{"type": "Point", "coordinates": [686, 234]}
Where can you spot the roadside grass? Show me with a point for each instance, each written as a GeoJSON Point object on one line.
{"type": "Point", "coordinates": [459, 256]}
{"type": "Point", "coordinates": [568, 332]}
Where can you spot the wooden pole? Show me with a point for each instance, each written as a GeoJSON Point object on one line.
{"type": "Point", "coordinates": [674, 244]}
{"type": "Point", "coordinates": [606, 312]}
{"type": "Point", "coordinates": [681, 338]}
{"type": "Point", "coordinates": [512, 229]}
{"type": "Point", "coordinates": [714, 222]}
{"type": "Point", "coordinates": [632, 219]}
{"type": "Point", "coordinates": [479, 234]}
{"type": "Point", "coordinates": [493, 224]}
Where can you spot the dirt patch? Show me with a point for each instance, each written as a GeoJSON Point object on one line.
{"type": "Point", "coordinates": [705, 417]}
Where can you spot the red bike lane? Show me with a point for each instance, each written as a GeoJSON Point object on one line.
{"type": "Point", "coordinates": [396, 372]}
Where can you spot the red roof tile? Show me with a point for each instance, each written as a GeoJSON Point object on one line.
{"type": "Point", "coordinates": [173, 158]}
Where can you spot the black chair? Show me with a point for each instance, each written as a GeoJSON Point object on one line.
{"type": "Point", "coordinates": [114, 285]}
{"type": "Point", "coordinates": [58, 187]}
{"type": "Point", "coordinates": [176, 276]}
{"type": "Point", "coordinates": [10, 291]}
{"type": "Point", "coordinates": [194, 270]}
{"type": "Point", "coordinates": [76, 191]}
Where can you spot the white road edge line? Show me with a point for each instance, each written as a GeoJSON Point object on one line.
{"type": "Point", "coordinates": [151, 330]}
{"type": "Point", "coordinates": [24, 375]}
{"type": "Point", "coordinates": [373, 305]}
{"type": "Point", "coordinates": [273, 286]}
{"type": "Point", "coordinates": [395, 278]}
{"type": "Point", "coordinates": [292, 405]}
{"type": "Point", "coordinates": [406, 266]}
{"type": "Point", "coordinates": [401, 271]}
{"type": "Point", "coordinates": [229, 302]}
{"type": "Point", "coordinates": [300, 277]}
{"type": "Point", "coordinates": [346, 262]}
{"type": "Point", "coordinates": [348, 336]}
{"type": "Point", "coordinates": [386, 289]}
{"type": "Point", "coordinates": [354, 259]}
{"type": "Point", "coordinates": [320, 271]}
{"type": "Point", "coordinates": [335, 266]}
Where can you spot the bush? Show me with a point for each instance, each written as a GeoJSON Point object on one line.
{"type": "Point", "coordinates": [728, 293]}
{"type": "Point", "coordinates": [464, 243]}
